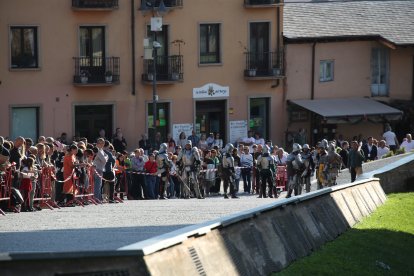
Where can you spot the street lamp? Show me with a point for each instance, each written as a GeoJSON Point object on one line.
{"type": "Point", "coordinates": [155, 46]}
{"type": "Point", "coordinates": [156, 26]}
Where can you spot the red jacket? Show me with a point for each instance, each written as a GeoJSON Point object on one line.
{"type": "Point", "coordinates": [150, 167]}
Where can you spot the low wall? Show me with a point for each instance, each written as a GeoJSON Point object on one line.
{"type": "Point", "coordinates": [267, 239]}
{"type": "Point", "coordinates": [254, 242]}
{"type": "Point", "coordinates": [395, 177]}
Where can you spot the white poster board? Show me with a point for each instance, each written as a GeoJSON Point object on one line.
{"type": "Point", "coordinates": [178, 128]}
{"type": "Point", "coordinates": [238, 130]}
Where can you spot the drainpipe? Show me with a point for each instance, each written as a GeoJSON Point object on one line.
{"type": "Point", "coordinates": [313, 71]}
{"type": "Point", "coordinates": [133, 44]}
{"type": "Point", "coordinates": [277, 41]}
{"type": "Point", "coordinates": [313, 119]}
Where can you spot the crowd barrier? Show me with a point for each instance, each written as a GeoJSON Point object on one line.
{"type": "Point", "coordinates": [45, 189]}
{"type": "Point", "coordinates": [81, 195]}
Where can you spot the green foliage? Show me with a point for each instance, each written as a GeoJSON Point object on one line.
{"type": "Point", "coordinates": [400, 151]}
{"type": "Point", "coordinates": [381, 244]}
{"type": "Point", "coordinates": [389, 154]}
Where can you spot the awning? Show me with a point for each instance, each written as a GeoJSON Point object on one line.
{"type": "Point", "coordinates": [350, 110]}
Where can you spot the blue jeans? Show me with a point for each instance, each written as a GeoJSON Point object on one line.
{"type": "Point", "coordinates": [97, 189]}
{"type": "Point", "coordinates": [150, 183]}
{"type": "Point", "coordinates": [247, 184]}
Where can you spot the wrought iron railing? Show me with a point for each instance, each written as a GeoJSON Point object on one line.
{"type": "Point", "coordinates": [95, 4]}
{"type": "Point", "coordinates": [156, 3]}
{"type": "Point", "coordinates": [95, 70]}
{"type": "Point", "coordinates": [168, 68]}
{"type": "Point", "coordinates": [262, 2]}
{"type": "Point", "coordinates": [264, 64]}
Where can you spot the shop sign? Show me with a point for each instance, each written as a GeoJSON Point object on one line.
{"type": "Point", "coordinates": [178, 128]}
{"type": "Point", "coordinates": [211, 90]}
{"type": "Point", "coordinates": [238, 130]}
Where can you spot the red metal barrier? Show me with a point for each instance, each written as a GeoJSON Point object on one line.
{"type": "Point", "coordinates": [6, 178]}
{"type": "Point", "coordinates": [44, 195]}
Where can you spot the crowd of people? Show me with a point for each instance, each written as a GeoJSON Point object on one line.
{"type": "Point", "coordinates": [194, 166]}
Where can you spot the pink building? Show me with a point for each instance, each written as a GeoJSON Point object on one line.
{"type": "Point", "coordinates": [78, 66]}
{"type": "Point", "coordinates": [349, 68]}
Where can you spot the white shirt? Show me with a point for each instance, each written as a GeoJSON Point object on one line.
{"type": "Point", "coordinates": [251, 141]}
{"type": "Point", "coordinates": [382, 151]}
{"type": "Point", "coordinates": [407, 145]}
{"type": "Point", "coordinates": [389, 138]}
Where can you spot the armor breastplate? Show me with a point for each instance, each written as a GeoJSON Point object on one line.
{"type": "Point", "coordinates": [227, 162]}
{"type": "Point", "coordinates": [188, 158]}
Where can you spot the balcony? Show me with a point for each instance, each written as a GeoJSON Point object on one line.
{"type": "Point", "coordinates": [262, 3]}
{"type": "Point", "coordinates": [264, 65]}
{"type": "Point", "coordinates": [169, 70]}
{"type": "Point", "coordinates": [96, 71]}
{"type": "Point", "coordinates": [94, 4]}
{"type": "Point", "coordinates": [169, 4]}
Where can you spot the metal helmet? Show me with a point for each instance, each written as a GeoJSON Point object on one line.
{"type": "Point", "coordinates": [331, 147]}
{"type": "Point", "coordinates": [323, 144]}
{"type": "Point", "coordinates": [265, 149]}
{"type": "Point", "coordinates": [163, 148]}
{"type": "Point", "coordinates": [305, 146]}
{"type": "Point", "coordinates": [296, 147]}
{"type": "Point", "coordinates": [195, 153]}
{"type": "Point", "coordinates": [229, 148]}
{"type": "Point", "coordinates": [189, 143]}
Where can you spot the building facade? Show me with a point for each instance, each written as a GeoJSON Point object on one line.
{"type": "Point", "coordinates": [354, 56]}
{"type": "Point", "coordinates": [80, 66]}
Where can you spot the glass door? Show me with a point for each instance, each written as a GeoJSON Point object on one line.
{"type": "Point", "coordinates": [92, 53]}
{"type": "Point", "coordinates": [259, 47]}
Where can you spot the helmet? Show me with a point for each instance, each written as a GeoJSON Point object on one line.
{"type": "Point", "coordinates": [189, 143]}
{"type": "Point", "coordinates": [163, 148]}
{"type": "Point", "coordinates": [195, 153]}
{"type": "Point", "coordinates": [296, 147]}
{"type": "Point", "coordinates": [229, 148]}
{"type": "Point", "coordinates": [305, 146]}
{"type": "Point", "coordinates": [265, 149]}
{"type": "Point", "coordinates": [323, 144]}
{"type": "Point", "coordinates": [331, 147]}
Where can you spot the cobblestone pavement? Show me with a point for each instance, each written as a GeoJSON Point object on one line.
{"type": "Point", "coordinates": [110, 226]}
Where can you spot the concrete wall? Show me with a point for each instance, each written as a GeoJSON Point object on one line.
{"type": "Point", "coordinates": [271, 240]}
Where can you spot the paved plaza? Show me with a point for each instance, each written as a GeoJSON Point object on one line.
{"type": "Point", "coordinates": [111, 226]}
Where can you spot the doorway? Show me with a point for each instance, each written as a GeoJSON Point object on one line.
{"type": "Point", "coordinates": [211, 118]}
{"type": "Point", "coordinates": [89, 119]}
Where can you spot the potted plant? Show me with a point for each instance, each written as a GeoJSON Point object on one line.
{"type": "Point", "coordinates": [84, 76]}
{"type": "Point", "coordinates": [252, 72]}
{"type": "Point", "coordinates": [150, 76]}
{"type": "Point", "coordinates": [108, 76]}
{"type": "Point", "coordinates": [275, 71]}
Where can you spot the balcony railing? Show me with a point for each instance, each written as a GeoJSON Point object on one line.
{"type": "Point", "coordinates": [96, 71]}
{"type": "Point", "coordinates": [168, 68]}
{"type": "Point", "coordinates": [262, 3]}
{"type": "Point", "coordinates": [264, 65]}
{"type": "Point", "coordinates": [95, 4]}
{"type": "Point", "coordinates": [167, 3]}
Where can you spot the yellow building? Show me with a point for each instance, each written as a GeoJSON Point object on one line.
{"type": "Point", "coordinates": [84, 65]}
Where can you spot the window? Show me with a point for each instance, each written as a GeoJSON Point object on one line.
{"type": "Point", "coordinates": [379, 70]}
{"type": "Point", "coordinates": [163, 121]}
{"type": "Point", "coordinates": [24, 52]}
{"type": "Point", "coordinates": [209, 43]}
{"type": "Point", "coordinates": [326, 70]}
{"type": "Point", "coordinates": [259, 116]}
{"type": "Point", "coordinates": [25, 122]}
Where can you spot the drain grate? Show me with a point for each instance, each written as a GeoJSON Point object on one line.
{"type": "Point", "coordinates": [197, 261]}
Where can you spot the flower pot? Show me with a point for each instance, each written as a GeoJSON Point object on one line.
{"type": "Point", "coordinates": [150, 77]}
{"type": "Point", "coordinates": [252, 72]}
{"type": "Point", "coordinates": [84, 79]}
{"type": "Point", "coordinates": [175, 76]}
{"type": "Point", "coordinates": [276, 71]}
{"type": "Point", "coordinates": [108, 79]}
